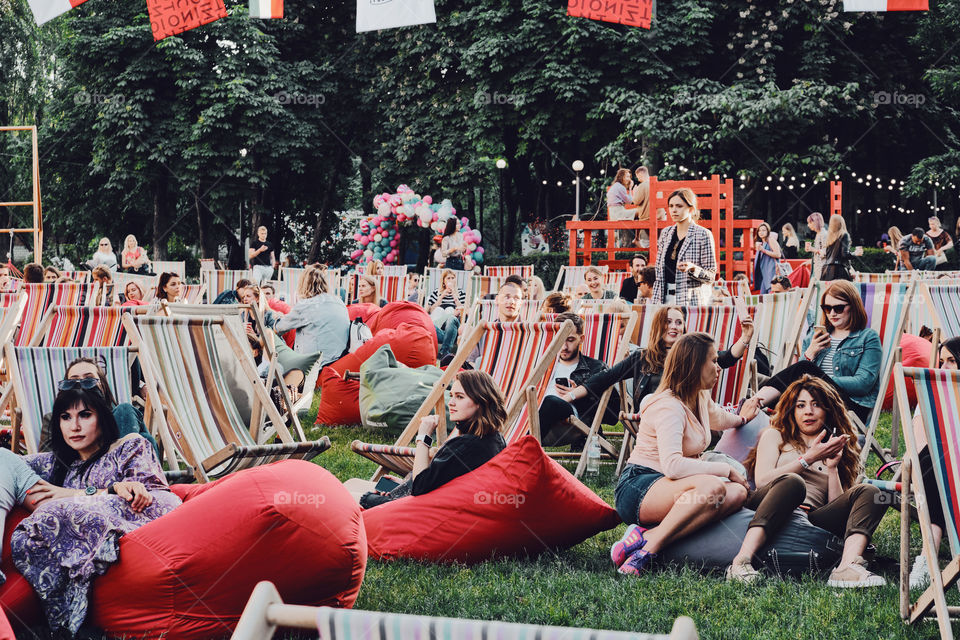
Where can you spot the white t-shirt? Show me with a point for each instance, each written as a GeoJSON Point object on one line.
{"type": "Point", "coordinates": [560, 370]}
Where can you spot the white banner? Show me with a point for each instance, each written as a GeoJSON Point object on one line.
{"type": "Point", "coordinates": [389, 14]}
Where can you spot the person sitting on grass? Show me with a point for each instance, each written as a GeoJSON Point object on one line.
{"type": "Point", "coordinates": [477, 409]}
{"type": "Point", "coordinates": [810, 459]}
{"type": "Point", "coordinates": [666, 492]}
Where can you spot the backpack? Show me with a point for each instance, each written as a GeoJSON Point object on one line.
{"type": "Point", "coordinates": [359, 333]}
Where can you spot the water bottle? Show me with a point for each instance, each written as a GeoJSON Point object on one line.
{"type": "Point", "coordinates": [593, 457]}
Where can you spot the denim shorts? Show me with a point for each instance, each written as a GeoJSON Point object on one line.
{"type": "Point", "coordinates": [632, 488]}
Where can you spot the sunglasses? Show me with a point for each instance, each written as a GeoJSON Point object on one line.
{"type": "Point", "coordinates": [78, 383]}
{"type": "Point", "coordinates": [834, 308]}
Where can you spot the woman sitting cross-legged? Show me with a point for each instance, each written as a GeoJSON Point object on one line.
{"type": "Point", "coordinates": [810, 458]}
{"type": "Point", "coordinates": [844, 351]}
{"type": "Point", "coordinates": [665, 486]}
{"type": "Point", "coordinates": [94, 488]}
{"type": "Point", "coordinates": [477, 408]}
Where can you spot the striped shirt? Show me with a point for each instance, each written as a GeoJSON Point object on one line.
{"type": "Point", "coordinates": [447, 302]}
{"type": "Point", "coordinates": [827, 363]}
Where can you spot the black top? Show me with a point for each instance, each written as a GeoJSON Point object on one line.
{"type": "Point", "coordinates": [629, 290]}
{"type": "Point", "coordinates": [789, 252]}
{"type": "Point", "coordinates": [262, 259]}
{"type": "Point", "coordinates": [457, 457]}
{"type": "Point", "coordinates": [670, 260]}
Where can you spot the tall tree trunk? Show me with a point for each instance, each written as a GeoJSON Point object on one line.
{"type": "Point", "coordinates": [160, 212]}
{"type": "Point", "coordinates": [323, 226]}
{"type": "Point", "coordinates": [366, 189]}
{"type": "Point", "coordinates": [204, 236]}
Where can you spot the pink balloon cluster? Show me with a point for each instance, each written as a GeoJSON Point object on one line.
{"type": "Point", "coordinates": [379, 235]}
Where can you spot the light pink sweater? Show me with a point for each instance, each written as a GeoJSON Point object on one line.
{"type": "Point", "coordinates": [670, 438]}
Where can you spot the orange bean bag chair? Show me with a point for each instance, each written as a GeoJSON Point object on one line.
{"type": "Point", "coordinates": [17, 598]}
{"type": "Point", "coordinates": [190, 573]}
{"type": "Point", "coordinates": [395, 314]}
{"type": "Point", "coordinates": [916, 353]}
{"type": "Point", "coordinates": [519, 503]}
{"type": "Point", "coordinates": [412, 345]}
{"type": "Point", "coordinates": [363, 310]}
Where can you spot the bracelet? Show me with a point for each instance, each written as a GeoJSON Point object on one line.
{"type": "Point", "coordinates": [803, 463]}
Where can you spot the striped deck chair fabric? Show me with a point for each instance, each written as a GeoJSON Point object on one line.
{"type": "Point", "coordinates": [523, 270]}
{"type": "Point", "coordinates": [8, 299]}
{"type": "Point", "coordinates": [481, 286]}
{"type": "Point", "coordinates": [392, 288]}
{"type": "Point", "coordinates": [148, 284]}
{"type": "Point", "coordinates": [77, 276]}
{"type": "Point", "coordinates": [221, 280]}
{"type": "Point", "coordinates": [83, 327]}
{"type": "Point", "coordinates": [37, 370]}
{"type": "Point", "coordinates": [284, 290]}
{"type": "Point", "coordinates": [431, 281]}
{"type": "Point", "coordinates": [775, 313]}
{"type": "Point", "coordinates": [41, 297]}
{"type": "Point", "coordinates": [395, 270]}
{"type": "Point", "coordinates": [178, 267]}
{"type": "Point", "coordinates": [292, 274]}
{"type": "Point", "coordinates": [182, 357]}
{"type": "Point", "coordinates": [207, 264]}
{"type": "Point", "coordinates": [569, 278]}
{"type": "Point", "coordinates": [486, 311]}
{"type": "Point", "coordinates": [613, 281]}
{"type": "Point", "coordinates": [943, 305]}
{"type": "Point", "coordinates": [601, 335]}
{"type": "Point", "coordinates": [192, 293]}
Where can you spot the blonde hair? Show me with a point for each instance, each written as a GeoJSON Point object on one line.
{"type": "Point", "coordinates": [313, 282]}
{"type": "Point", "coordinates": [788, 231]}
{"type": "Point", "coordinates": [535, 289]}
{"type": "Point", "coordinates": [373, 284]}
{"type": "Point", "coordinates": [836, 229]}
{"type": "Point", "coordinates": [126, 241]}
{"type": "Point", "coordinates": [375, 268]}
{"type": "Point", "coordinates": [895, 236]}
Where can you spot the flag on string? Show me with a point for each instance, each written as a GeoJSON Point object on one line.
{"type": "Point", "coordinates": [170, 17]}
{"type": "Point", "coordinates": [389, 14]}
{"type": "Point", "coordinates": [634, 13]}
{"type": "Point", "coordinates": [266, 9]}
{"type": "Point", "coordinates": [46, 10]}
{"type": "Point", "coordinates": [886, 5]}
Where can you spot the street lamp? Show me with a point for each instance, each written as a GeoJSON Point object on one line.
{"type": "Point", "coordinates": [578, 167]}
{"type": "Point", "coordinates": [501, 165]}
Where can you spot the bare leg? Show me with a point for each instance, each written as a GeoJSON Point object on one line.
{"type": "Point", "coordinates": [853, 547]}
{"type": "Point", "coordinates": [684, 506]}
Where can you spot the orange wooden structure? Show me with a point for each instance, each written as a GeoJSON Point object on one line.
{"type": "Point", "coordinates": [733, 239]}
{"type": "Point", "coordinates": [34, 202]}
{"type": "Point", "coordinates": [836, 198]}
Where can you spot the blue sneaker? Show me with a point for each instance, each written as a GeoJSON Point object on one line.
{"type": "Point", "coordinates": [631, 541]}
{"type": "Point", "coordinates": [637, 563]}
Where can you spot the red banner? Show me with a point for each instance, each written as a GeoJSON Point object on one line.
{"type": "Point", "coordinates": [635, 13]}
{"type": "Point", "coordinates": [170, 17]}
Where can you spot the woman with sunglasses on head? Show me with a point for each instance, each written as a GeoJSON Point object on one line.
{"type": "Point", "coordinates": [95, 487]}
{"type": "Point", "coordinates": [686, 258]}
{"type": "Point", "coordinates": [477, 409]}
{"type": "Point", "coordinates": [947, 358]}
{"type": "Point", "coordinates": [842, 350]}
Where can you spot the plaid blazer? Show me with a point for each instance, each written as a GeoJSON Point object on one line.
{"type": "Point", "coordinates": [695, 288]}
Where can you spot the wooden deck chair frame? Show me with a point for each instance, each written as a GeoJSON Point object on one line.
{"type": "Point", "coordinates": [175, 439]}
{"type": "Point", "coordinates": [934, 596]}
{"type": "Point", "coordinates": [514, 406]}
{"type": "Point", "coordinates": [265, 611]}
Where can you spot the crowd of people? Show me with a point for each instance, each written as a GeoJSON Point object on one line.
{"type": "Point", "coordinates": [801, 453]}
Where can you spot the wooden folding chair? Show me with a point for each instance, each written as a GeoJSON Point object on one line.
{"type": "Point", "coordinates": [63, 326]}
{"type": "Point", "coordinates": [220, 280]}
{"type": "Point", "coordinates": [517, 355]}
{"type": "Point", "coordinates": [938, 396]}
{"type": "Point", "coordinates": [395, 270]}
{"type": "Point", "coordinates": [265, 612]}
{"type": "Point", "coordinates": [41, 297]}
{"type": "Point", "coordinates": [430, 282]}
{"type": "Point", "coordinates": [775, 313]}
{"type": "Point", "coordinates": [192, 293]}
{"type": "Point", "coordinates": [185, 373]}
{"type": "Point", "coordinates": [525, 271]}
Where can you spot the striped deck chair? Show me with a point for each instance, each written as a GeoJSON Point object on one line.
{"type": "Point", "coordinates": [285, 290]}
{"type": "Point", "coordinates": [517, 355]}
{"type": "Point", "coordinates": [938, 397]}
{"type": "Point", "coordinates": [35, 372]}
{"type": "Point", "coordinates": [192, 293]}
{"type": "Point", "coordinates": [775, 313]}
{"type": "Point", "coordinates": [207, 264]}
{"type": "Point", "coordinates": [569, 278]}
{"type": "Point", "coordinates": [614, 280]}
{"type": "Point", "coordinates": [9, 298]}
{"type": "Point", "coordinates": [393, 288]}
{"type": "Point", "coordinates": [185, 373]}
{"type": "Point", "coordinates": [942, 302]}
{"type": "Point", "coordinates": [887, 306]}
{"type": "Point", "coordinates": [887, 276]}
{"type": "Point", "coordinates": [486, 311]}
{"type": "Point", "coordinates": [41, 297]}
{"type": "Point", "coordinates": [265, 612]}
{"type": "Point", "coordinates": [430, 282]}
{"type": "Point", "coordinates": [221, 280]}
{"type": "Point", "coordinates": [178, 267]}
{"type": "Point", "coordinates": [395, 270]}
{"type": "Point", "coordinates": [148, 284]}
{"type": "Point", "coordinates": [525, 271]}
{"type": "Point", "coordinates": [481, 286]}
{"type": "Point", "coordinates": [82, 327]}
{"type": "Point", "coordinates": [77, 276]}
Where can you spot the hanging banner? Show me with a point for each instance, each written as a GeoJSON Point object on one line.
{"type": "Point", "coordinates": [886, 5]}
{"type": "Point", "coordinates": [633, 13]}
{"type": "Point", "coordinates": [46, 10]}
{"type": "Point", "coordinates": [266, 9]}
{"type": "Point", "coordinates": [170, 17]}
{"type": "Point", "coordinates": [390, 14]}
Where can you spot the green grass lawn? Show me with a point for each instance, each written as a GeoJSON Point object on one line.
{"type": "Point", "coordinates": [579, 587]}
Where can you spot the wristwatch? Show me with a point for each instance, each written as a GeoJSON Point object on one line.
{"type": "Point", "coordinates": [425, 439]}
{"type": "Point", "coordinates": [90, 490]}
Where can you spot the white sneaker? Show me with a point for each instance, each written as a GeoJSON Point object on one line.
{"type": "Point", "coordinates": [920, 573]}
{"type": "Point", "coordinates": [855, 576]}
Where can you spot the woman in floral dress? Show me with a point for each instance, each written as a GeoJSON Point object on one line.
{"type": "Point", "coordinates": [95, 487]}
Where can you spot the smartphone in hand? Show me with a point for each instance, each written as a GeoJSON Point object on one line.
{"type": "Point", "coordinates": [563, 382]}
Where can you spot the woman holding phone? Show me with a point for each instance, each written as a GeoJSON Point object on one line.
{"type": "Point", "coordinates": [841, 350]}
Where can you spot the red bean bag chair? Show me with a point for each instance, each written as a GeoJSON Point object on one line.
{"type": "Point", "coordinates": [396, 314]}
{"type": "Point", "coordinates": [519, 503]}
{"type": "Point", "coordinates": [916, 353]}
{"type": "Point", "coordinates": [17, 598]}
{"type": "Point", "coordinates": [800, 276]}
{"type": "Point", "coordinates": [412, 345]}
{"type": "Point", "coordinates": [6, 631]}
{"type": "Point", "coordinates": [190, 573]}
{"type": "Point", "coordinates": [363, 310]}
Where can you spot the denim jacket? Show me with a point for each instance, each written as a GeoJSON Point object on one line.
{"type": "Point", "coordinates": [856, 365]}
